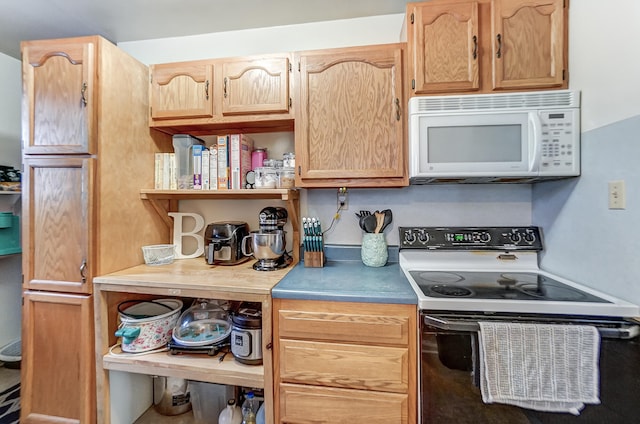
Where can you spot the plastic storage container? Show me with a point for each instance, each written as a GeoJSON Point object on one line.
{"type": "Point", "coordinates": [207, 401]}
{"type": "Point", "coordinates": [9, 234]}
{"type": "Point", "coordinates": [159, 254]}
{"type": "Point", "coordinates": [182, 146]}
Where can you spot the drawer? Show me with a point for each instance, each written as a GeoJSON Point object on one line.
{"type": "Point", "coordinates": [345, 321]}
{"type": "Point", "coordinates": [344, 365]}
{"type": "Point", "coordinates": [300, 404]}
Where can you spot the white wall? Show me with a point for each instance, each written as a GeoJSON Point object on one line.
{"type": "Point", "coordinates": [10, 266]}
{"type": "Point", "coordinates": [585, 240]}
{"type": "Point", "coordinates": [10, 76]}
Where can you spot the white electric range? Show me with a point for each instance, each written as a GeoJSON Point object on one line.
{"type": "Point", "coordinates": [496, 270]}
{"type": "Point", "coordinates": [466, 276]}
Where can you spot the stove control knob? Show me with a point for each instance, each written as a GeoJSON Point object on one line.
{"type": "Point", "coordinates": [484, 237]}
{"type": "Point", "coordinates": [423, 236]}
{"type": "Point", "coordinates": [409, 237]}
{"type": "Point", "coordinates": [529, 237]}
{"type": "Point", "coordinates": [515, 238]}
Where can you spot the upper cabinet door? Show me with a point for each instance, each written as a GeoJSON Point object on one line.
{"type": "Point", "coordinates": [182, 90]}
{"type": "Point", "coordinates": [445, 48]}
{"type": "Point", "coordinates": [58, 97]}
{"type": "Point", "coordinates": [350, 118]}
{"type": "Point", "coordinates": [529, 43]}
{"type": "Point", "coordinates": [255, 86]}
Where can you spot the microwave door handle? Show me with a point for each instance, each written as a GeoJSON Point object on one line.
{"type": "Point", "coordinates": [535, 134]}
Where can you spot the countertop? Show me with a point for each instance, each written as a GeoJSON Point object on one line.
{"type": "Point", "coordinates": [196, 275]}
{"type": "Point", "coordinates": [347, 280]}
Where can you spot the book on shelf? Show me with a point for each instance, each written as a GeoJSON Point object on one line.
{"type": "Point", "coordinates": [223, 162]}
{"type": "Point", "coordinates": [159, 165]}
{"type": "Point", "coordinates": [173, 172]}
{"type": "Point", "coordinates": [240, 148]}
{"type": "Point", "coordinates": [164, 172]}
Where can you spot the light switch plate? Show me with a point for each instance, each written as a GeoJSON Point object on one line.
{"type": "Point", "coordinates": [617, 195]}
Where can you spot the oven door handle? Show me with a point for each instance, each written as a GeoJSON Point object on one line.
{"type": "Point", "coordinates": [623, 331]}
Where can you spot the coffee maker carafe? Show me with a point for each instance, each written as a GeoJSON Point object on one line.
{"type": "Point", "coordinates": [267, 245]}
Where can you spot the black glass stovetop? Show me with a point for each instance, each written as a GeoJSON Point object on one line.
{"type": "Point", "coordinates": [498, 285]}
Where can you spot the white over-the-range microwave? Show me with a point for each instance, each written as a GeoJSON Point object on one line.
{"type": "Point", "coordinates": [512, 138]}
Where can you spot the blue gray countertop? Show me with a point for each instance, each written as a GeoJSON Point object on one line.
{"type": "Point", "coordinates": [345, 278]}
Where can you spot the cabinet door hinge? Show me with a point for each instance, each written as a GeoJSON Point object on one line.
{"type": "Point", "coordinates": [564, 75]}
{"type": "Point", "coordinates": [412, 18]}
{"type": "Point", "coordinates": [290, 67]}
{"type": "Point", "coordinates": [299, 171]}
{"type": "Point", "coordinates": [290, 102]}
{"type": "Point", "coordinates": [150, 78]}
{"type": "Point", "coordinates": [298, 66]}
{"type": "Point", "coordinates": [413, 84]}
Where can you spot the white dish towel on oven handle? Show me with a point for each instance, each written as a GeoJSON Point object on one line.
{"type": "Point", "coordinates": [545, 367]}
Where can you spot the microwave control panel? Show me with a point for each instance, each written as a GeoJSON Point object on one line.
{"type": "Point", "coordinates": [560, 142]}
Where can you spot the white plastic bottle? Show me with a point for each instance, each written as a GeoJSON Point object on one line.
{"type": "Point", "coordinates": [231, 414]}
{"type": "Point", "coordinates": [249, 409]}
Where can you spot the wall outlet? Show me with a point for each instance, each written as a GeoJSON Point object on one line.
{"type": "Point", "coordinates": [617, 197]}
{"type": "Point", "coordinates": [342, 199]}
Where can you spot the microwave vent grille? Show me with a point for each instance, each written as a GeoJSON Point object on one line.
{"type": "Point", "coordinates": [487, 102]}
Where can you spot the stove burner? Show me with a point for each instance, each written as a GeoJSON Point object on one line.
{"type": "Point", "coordinates": [551, 292]}
{"type": "Point", "coordinates": [451, 291]}
{"type": "Point", "coordinates": [441, 277]}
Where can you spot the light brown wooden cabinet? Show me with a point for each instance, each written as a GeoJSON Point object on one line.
{"type": "Point", "coordinates": [487, 45]}
{"type": "Point", "coordinates": [199, 97]}
{"type": "Point", "coordinates": [350, 117]}
{"type": "Point", "coordinates": [343, 362]}
{"type": "Point", "coordinates": [87, 151]}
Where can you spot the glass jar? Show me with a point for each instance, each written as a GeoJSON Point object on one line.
{"type": "Point", "coordinates": [286, 178]}
{"type": "Point", "coordinates": [289, 160]}
{"type": "Point", "coordinates": [266, 177]}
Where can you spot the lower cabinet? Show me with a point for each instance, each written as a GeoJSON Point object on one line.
{"type": "Point", "coordinates": [56, 329]}
{"type": "Point", "coordinates": [344, 362]}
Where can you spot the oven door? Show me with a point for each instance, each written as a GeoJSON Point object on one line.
{"type": "Point", "coordinates": [449, 389]}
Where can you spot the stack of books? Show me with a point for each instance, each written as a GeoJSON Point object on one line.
{"type": "Point", "coordinates": [221, 166]}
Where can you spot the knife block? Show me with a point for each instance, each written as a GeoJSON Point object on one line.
{"type": "Point", "coordinates": [314, 259]}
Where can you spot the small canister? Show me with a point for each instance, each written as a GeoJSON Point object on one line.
{"type": "Point", "coordinates": [257, 158]}
{"type": "Point", "coordinates": [286, 178]}
{"type": "Point", "coordinates": [246, 336]}
{"type": "Point", "coordinates": [289, 160]}
{"type": "Point", "coordinates": [266, 177]}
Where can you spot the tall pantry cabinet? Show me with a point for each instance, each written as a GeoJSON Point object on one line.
{"type": "Point", "coordinates": [87, 151]}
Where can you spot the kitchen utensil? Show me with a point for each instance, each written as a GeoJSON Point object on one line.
{"type": "Point", "coordinates": [223, 242]}
{"type": "Point", "coordinates": [379, 221]}
{"type": "Point", "coordinates": [388, 217]}
{"type": "Point", "coordinates": [369, 223]}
